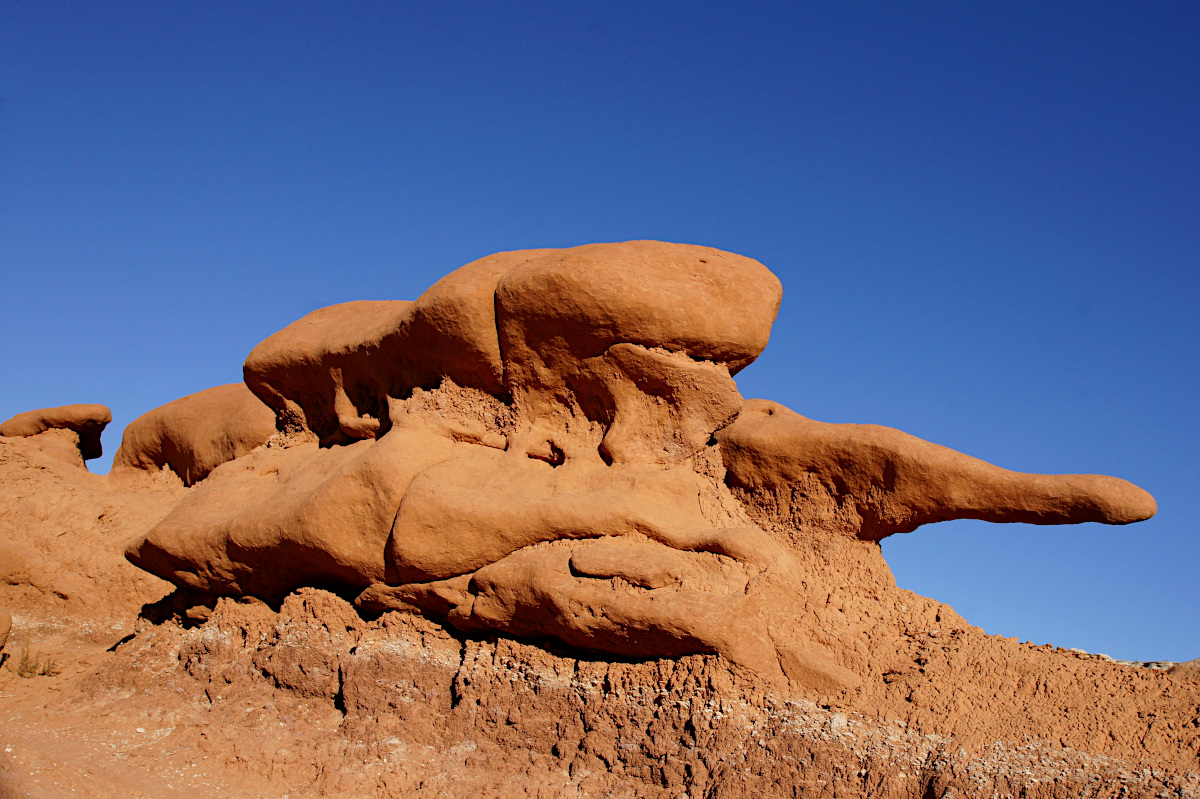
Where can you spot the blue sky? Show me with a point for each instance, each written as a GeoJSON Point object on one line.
{"type": "Point", "coordinates": [986, 218]}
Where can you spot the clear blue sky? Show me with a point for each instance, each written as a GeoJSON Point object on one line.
{"type": "Point", "coordinates": [986, 218]}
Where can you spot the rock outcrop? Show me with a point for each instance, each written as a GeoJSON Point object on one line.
{"type": "Point", "coordinates": [873, 481]}
{"type": "Point", "coordinates": [86, 421]}
{"type": "Point", "coordinates": [1189, 670]}
{"type": "Point", "coordinates": [327, 372]}
{"type": "Point", "coordinates": [195, 434]}
{"type": "Point", "coordinates": [551, 443]}
{"type": "Point", "coordinates": [63, 529]}
{"type": "Point", "coordinates": [523, 535]}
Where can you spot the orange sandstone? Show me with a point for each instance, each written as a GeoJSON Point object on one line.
{"type": "Point", "coordinates": [524, 535]}
{"type": "Point", "coordinates": [551, 442]}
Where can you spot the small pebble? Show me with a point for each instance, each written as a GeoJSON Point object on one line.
{"type": "Point", "coordinates": [141, 729]}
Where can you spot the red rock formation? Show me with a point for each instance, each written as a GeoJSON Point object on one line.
{"type": "Point", "coordinates": [876, 481]}
{"type": "Point", "coordinates": [614, 576]}
{"type": "Point", "coordinates": [87, 421]}
{"type": "Point", "coordinates": [556, 447]}
{"type": "Point", "coordinates": [195, 434]}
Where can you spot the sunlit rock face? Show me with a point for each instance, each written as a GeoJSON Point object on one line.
{"type": "Point", "coordinates": [551, 444]}
{"type": "Point", "coordinates": [195, 434]}
{"type": "Point", "coordinates": [74, 430]}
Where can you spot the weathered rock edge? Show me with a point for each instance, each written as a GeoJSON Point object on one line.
{"type": "Point", "coordinates": [427, 713]}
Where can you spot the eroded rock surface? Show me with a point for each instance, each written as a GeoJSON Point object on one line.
{"type": "Point", "coordinates": [523, 536]}
{"type": "Point", "coordinates": [551, 443]}
{"type": "Point", "coordinates": [195, 434]}
{"type": "Point", "coordinates": [86, 421]}
{"type": "Point", "coordinates": [62, 530]}
{"type": "Point", "coordinates": [874, 481]}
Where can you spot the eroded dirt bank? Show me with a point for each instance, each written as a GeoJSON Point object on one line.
{"type": "Point", "coordinates": [315, 700]}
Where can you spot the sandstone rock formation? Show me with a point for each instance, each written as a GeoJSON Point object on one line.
{"type": "Point", "coordinates": [613, 575]}
{"type": "Point", "coordinates": [873, 481]}
{"type": "Point", "coordinates": [62, 529]}
{"type": "Point", "coordinates": [550, 443]}
{"type": "Point", "coordinates": [86, 421]}
{"type": "Point", "coordinates": [324, 372]}
{"type": "Point", "coordinates": [195, 434]}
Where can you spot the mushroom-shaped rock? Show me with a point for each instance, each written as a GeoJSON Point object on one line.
{"type": "Point", "coordinates": [88, 421]}
{"type": "Point", "coordinates": [874, 481]}
{"type": "Point", "coordinates": [639, 337]}
{"type": "Point", "coordinates": [568, 305]}
{"type": "Point", "coordinates": [195, 434]}
{"type": "Point", "coordinates": [323, 372]}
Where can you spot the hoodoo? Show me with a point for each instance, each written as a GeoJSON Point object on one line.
{"type": "Point", "coordinates": [551, 444]}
